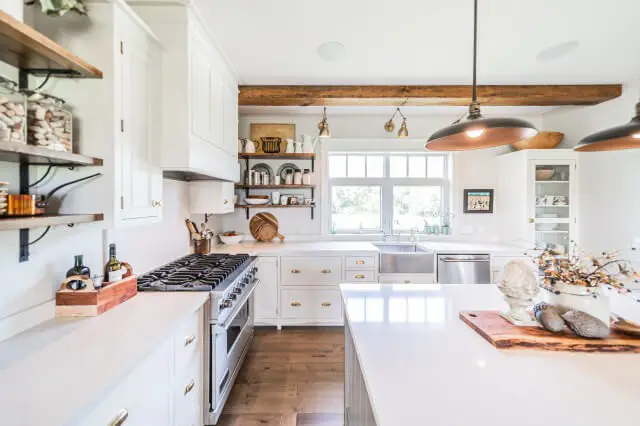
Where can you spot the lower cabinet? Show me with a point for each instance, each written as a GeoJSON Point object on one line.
{"type": "Point", "coordinates": [265, 296]}
{"type": "Point", "coordinates": [311, 305]}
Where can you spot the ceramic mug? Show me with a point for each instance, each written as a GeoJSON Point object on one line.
{"type": "Point", "coordinates": [283, 200]}
{"type": "Point", "coordinates": [275, 197]}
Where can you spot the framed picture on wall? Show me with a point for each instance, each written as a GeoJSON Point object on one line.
{"type": "Point", "coordinates": [478, 201]}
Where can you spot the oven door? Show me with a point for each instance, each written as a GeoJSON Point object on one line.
{"type": "Point", "coordinates": [229, 342]}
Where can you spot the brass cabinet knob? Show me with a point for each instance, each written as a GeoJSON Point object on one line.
{"type": "Point", "coordinates": [326, 304]}
{"type": "Point", "coordinates": [156, 203]}
{"type": "Point", "coordinates": [189, 387]}
{"type": "Point", "coordinates": [359, 276]}
{"type": "Point", "coordinates": [326, 271]}
{"type": "Point", "coordinates": [296, 304]}
{"type": "Point", "coordinates": [120, 418]}
{"type": "Point", "coordinates": [226, 202]}
{"type": "Point", "coordinates": [532, 220]}
{"type": "Point", "coordinates": [189, 340]}
{"type": "Point", "coordinates": [295, 271]}
{"type": "Point", "coordinates": [359, 262]}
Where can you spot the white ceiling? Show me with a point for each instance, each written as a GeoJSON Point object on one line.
{"type": "Point", "coordinates": [427, 41]}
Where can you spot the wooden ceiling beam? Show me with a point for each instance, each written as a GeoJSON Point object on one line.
{"type": "Point", "coordinates": [503, 95]}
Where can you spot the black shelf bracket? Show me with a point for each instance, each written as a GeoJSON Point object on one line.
{"type": "Point", "coordinates": [313, 164]}
{"type": "Point", "coordinates": [247, 212]}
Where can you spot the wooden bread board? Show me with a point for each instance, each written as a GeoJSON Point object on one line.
{"type": "Point", "coordinates": [91, 303]}
{"type": "Point", "coordinates": [504, 335]}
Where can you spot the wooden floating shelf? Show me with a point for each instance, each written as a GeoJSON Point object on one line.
{"type": "Point", "coordinates": [275, 186]}
{"type": "Point", "coordinates": [279, 156]}
{"type": "Point", "coordinates": [273, 206]}
{"type": "Point", "coordinates": [552, 181]}
{"type": "Point", "coordinates": [9, 223]}
{"type": "Point", "coordinates": [16, 152]}
{"type": "Point", "coordinates": [27, 49]}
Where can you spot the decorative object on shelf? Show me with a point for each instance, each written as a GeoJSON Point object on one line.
{"type": "Point", "coordinates": [549, 316]}
{"type": "Point", "coordinates": [276, 180]}
{"type": "Point", "coordinates": [59, 7]}
{"type": "Point", "coordinates": [256, 201]}
{"type": "Point", "coordinates": [13, 107]}
{"type": "Point", "coordinates": [288, 179]}
{"type": "Point", "coordinates": [257, 131]}
{"type": "Point", "coordinates": [306, 177]}
{"type": "Point", "coordinates": [4, 193]}
{"type": "Point", "coordinates": [308, 201]}
{"type": "Point", "coordinates": [478, 201]}
{"type": "Point", "coordinates": [231, 237]}
{"type": "Point", "coordinates": [275, 197]}
{"type": "Point", "coordinates": [79, 268]}
{"type": "Point", "coordinates": [50, 124]}
{"type": "Point", "coordinates": [248, 146]}
{"type": "Point", "coordinates": [284, 200]}
{"type": "Point", "coordinates": [25, 205]}
{"type": "Point", "coordinates": [297, 146]}
{"type": "Point", "coordinates": [626, 136]}
{"type": "Point", "coordinates": [271, 145]}
{"type": "Point", "coordinates": [297, 177]}
{"type": "Point", "coordinates": [293, 200]}
{"type": "Point", "coordinates": [543, 140]}
{"type": "Point", "coordinates": [264, 227]}
{"type": "Point", "coordinates": [290, 149]}
{"type": "Point", "coordinates": [544, 173]}
{"type": "Point", "coordinates": [475, 131]}
{"type": "Point", "coordinates": [390, 126]}
{"type": "Point", "coordinates": [261, 168]}
{"type": "Point", "coordinates": [323, 125]}
{"type": "Point", "coordinates": [285, 169]}
{"type": "Point", "coordinates": [585, 325]}
{"type": "Point", "coordinates": [520, 288]}
{"type": "Point", "coordinates": [581, 283]}
{"type": "Point", "coordinates": [309, 144]}
{"type": "Point", "coordinates": [91, 301]}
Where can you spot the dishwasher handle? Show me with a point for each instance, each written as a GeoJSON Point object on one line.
{"type": "Point", "coordinates": [456, 260]}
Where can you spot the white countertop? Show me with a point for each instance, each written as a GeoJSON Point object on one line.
{"type": "Point", "coordinates": [295, 247]}
{"type": "Point", "coordinates": [51, 373]}
{"type": "Point", "coordinates": [423, 366]}
{"type": "Point", "coordinates": [455, 247]}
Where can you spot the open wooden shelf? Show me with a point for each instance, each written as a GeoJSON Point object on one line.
{"type": "Point", "coordinates": [278, 156]}
{"type": "Point", "coordinates": [275, 186]}
{"type": "Point", "coordinates": [274, 206]}
{"type": "Point", "coordinates": [27, 49]}
{"type": "Point", "coordinates": [9, 223]}
{"type": "Point", "coordinates": [16, 152]}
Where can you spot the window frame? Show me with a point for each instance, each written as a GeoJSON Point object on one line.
{"type": "Point", "coordinates": [386, 184]}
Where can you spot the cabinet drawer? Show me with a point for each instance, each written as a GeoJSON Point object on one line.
{"type": "Point", "coordinates": [310, 271]}
{"type": "Point", "coordinates": [188, 395]}
{"type": "Point", "coordinates": [188, 341]}
{"type": "Point", "coordinates": [359, 276]}
{"type": "Point", "coordinates": [360, 262]}
{"type": "Point", "coordinates": [311, 304]}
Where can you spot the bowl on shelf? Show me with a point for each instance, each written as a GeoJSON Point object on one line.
{"type": "Point", "coordinates": [543, 140]}
{"type": "Point", "coordinates": [256, 201]}
{"type": "Point", "coordinates": [231, 239]}
{"type": "Point", "coordinates": [544, 173]}
{"type": "Point", "coordinates": [547, 226]}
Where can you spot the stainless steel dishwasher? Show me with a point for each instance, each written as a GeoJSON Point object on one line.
{"type": "Point", "coordinates": [464, 269]}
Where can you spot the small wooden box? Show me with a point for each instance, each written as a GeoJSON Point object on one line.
{"type": "Point", "coordinates": [92, 303]}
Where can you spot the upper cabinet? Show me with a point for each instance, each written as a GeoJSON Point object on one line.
{"type": "Point", "coordinates": [200, 116]}
{"type": "Point", "coordinates": [119, 117]}
{"type": "Point", "coordinates": [537, 198]}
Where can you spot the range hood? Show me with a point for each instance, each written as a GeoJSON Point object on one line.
{"type": "Point", "coordinates": [226, 173]}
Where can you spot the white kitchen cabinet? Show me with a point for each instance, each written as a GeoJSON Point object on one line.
{"type": "Point", "coordinates": [265, 296]}
{"type": "Point", "coordinates": [311, 271]}
{"type": "Point", "coordinates": [211, 197]}
{"type": "Point", "coordinates": [311, 305]}
{"type": "Point", "coordinates": [117, 118]}
{"type": "Point", "coordinates": [198, 98]}
{"type": "Point", "coordinates": [537, 198]}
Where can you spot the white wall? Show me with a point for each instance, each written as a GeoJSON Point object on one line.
{"type": "Point", "coordinates": [470, 169]}
{"type": "Point", "coordinates": [609, 181]}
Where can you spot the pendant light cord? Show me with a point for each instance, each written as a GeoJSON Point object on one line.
{"type": "Point", "coordinates": [475, 49]}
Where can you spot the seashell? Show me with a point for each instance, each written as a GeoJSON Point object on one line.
{"type": "Point", "coordinates": [585, 325]}
{"type": "Point", "coordinates": [550, 319]}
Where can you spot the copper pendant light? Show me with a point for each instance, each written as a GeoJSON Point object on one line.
{"type": "Point", "coordinates": [475, 131]}
{"type": "Point", "coordinates": [616, 138]}
{"type": "Point", "coordinates": [323, 126]}
{"type": "Point", "coordinates": [389, 126]}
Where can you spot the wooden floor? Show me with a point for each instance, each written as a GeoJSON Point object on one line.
{"type": "Point", "coordinates": [293, 377]}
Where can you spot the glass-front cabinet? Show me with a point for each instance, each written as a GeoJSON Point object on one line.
{"type": "Point", "coordinates": [536, 200]}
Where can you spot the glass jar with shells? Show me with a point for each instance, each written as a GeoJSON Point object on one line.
{"type": "Point", "coordinates": [13, 107]}
{"type": "Point", "coordinates": [50, 124]}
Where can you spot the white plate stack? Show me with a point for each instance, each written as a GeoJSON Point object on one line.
{"type": "Point", "coordinates": [4, 191]}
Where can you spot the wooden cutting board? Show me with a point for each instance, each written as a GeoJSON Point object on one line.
{"type": "Point", "coordinates": [264, 227]}
{"type": "Point", "coordinates": [504, 335]}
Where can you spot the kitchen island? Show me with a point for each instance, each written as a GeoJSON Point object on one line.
{"type": "Point", "coordinates": [411, 361]}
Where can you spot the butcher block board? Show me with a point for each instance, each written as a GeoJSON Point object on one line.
{"type": "Point", "coordinates": [91, 303]}
{"type": "Point", "coordinates": [504, 335]}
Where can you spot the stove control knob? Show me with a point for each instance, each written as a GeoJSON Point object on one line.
{"type": "Point", "coordinates": [233, 296]}
{"type": "Point", "coordinates": [254, 270]}
{"type": "Point", "coordinates": [236, 290]}
{"type": "Point", "coordinates": [225, 304]}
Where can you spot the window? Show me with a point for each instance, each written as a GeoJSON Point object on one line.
{"type": "Point", "coordinates": [374, 192]}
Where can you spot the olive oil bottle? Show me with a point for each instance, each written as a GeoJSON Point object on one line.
{"type": "Point", "coordinates": [113, 270]}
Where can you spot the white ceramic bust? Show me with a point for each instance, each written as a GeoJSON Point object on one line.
{"type": "Point", "coordinates": [520, 288]}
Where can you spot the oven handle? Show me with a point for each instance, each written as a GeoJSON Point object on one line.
{"type": "Point", "coordinates": [222, 328]}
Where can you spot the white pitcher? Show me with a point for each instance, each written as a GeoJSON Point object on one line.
{"type": "Point", "coordinates": [309, 144]}
{"type": "Point", "coordinates": [249, 146]}
{"type": "Point", "coordinates": [290, 146]}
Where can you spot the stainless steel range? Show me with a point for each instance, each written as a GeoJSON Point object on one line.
{"type": "Point", "coordinates": [231, 280]}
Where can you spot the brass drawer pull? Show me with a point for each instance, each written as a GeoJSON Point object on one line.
{"type": "Point", "coordinates": [326, 271]}
{"type": "Point", "coordinates": [189, 387]}
{"type": "Point", "coordinates": [359, 262]}
{"type": "Point", "coordinates": [226, 202]}
{"type": "Point", "coordinates": [326, 304]}
{"type": "Point", "coordinates": [296, 304]}
{"type": "Point", "coordinates": [360, 276]}
{"type": "Point", "coordinates": [189, 340]}
{"type": "Point", "coordinates": [295, 271]}
{"type": "Point", "coordinates": [120, 418]}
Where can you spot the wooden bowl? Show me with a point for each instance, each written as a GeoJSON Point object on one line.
{"type": "Point", "coordinates": [543, 140]}
{"type": "Point", "coordinates": [544, 174]}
